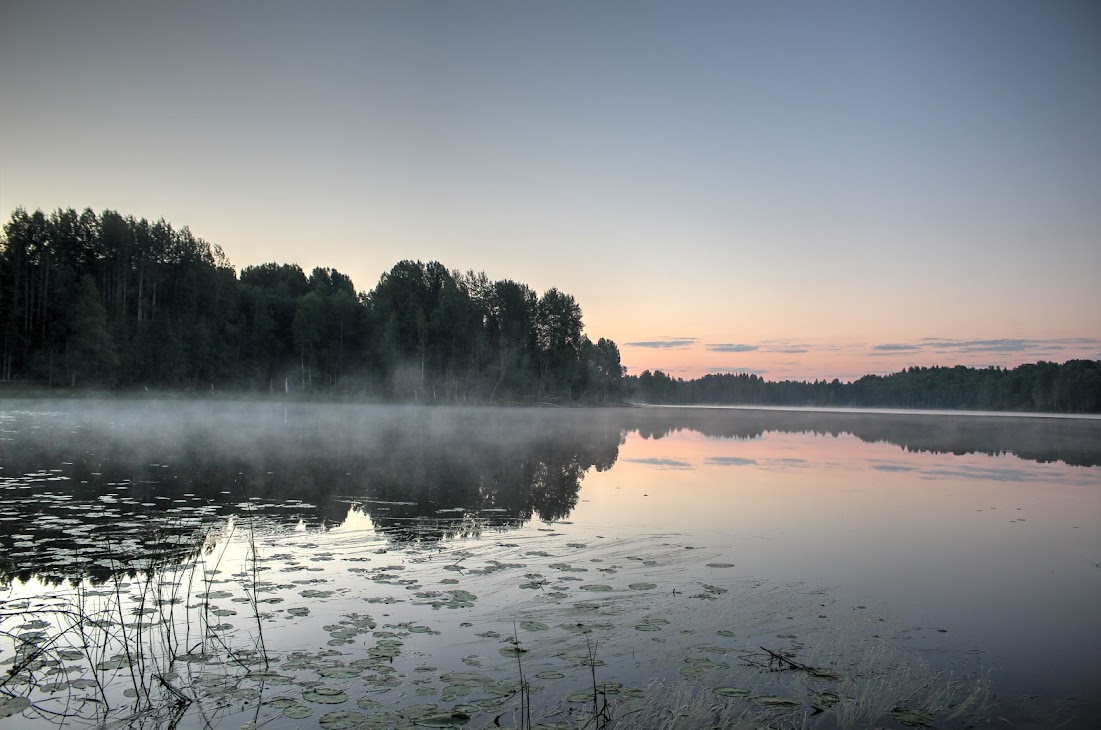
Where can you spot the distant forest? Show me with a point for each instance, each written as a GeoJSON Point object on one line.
{"type": "Point", "coordinates": [1074, 386]}
{"type": "Point", "coordinates": [110, 301]}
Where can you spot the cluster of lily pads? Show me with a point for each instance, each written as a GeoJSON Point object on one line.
{"type": "Point", "coordinates": [350, 630]}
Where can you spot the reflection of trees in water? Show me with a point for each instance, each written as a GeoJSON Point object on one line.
{"type": "Point", "coordinates": [500, 471]}
{"type": "Point", "coordinates": [1076, 442]}
{"type": "Point", "coordinates": [138, 485]}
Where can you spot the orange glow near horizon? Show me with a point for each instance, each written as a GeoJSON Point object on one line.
{"type": "Point", "coordinates": [821, 485]}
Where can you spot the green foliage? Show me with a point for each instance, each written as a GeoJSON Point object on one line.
{"type": "Point", "coordinates": [90, 349]}
{"type": "Point", "coordinates": [106, 299]}
{"type": "Point", "coordinates": [1074, 386]}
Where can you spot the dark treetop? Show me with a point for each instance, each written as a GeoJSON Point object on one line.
{"type": "Point", "coordinates": [110, 301]}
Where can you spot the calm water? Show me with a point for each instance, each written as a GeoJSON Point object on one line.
{"type": "Point", "coordinates": [348, 566]}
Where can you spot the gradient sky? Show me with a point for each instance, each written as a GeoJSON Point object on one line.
{"type": "Point", "coordinates": [797, 189]}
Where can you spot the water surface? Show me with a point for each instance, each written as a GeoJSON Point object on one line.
{"type": "Point", "coordinates": [438, 567]}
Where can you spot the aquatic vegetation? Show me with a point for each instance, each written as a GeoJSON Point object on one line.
{"type": "Point", "coordinates": [259, 612]}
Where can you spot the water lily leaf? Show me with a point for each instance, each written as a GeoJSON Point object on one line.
{"type": "Point", "coordinates": [324, 696]}
{"type": "Point", "coordinates": [912, 718]}
{"type": "Point", "coordinates": [731, 692]}
{"type": "Point", "coordinates": [451, 691]}
{"type": "Point", "coordinates": [454, 718]}
{"type": "Point", "coordinates": [297, 712]}
{"type": "Point", "coordinates": [13, 705]}
{"type": "Point", "coordinates": [643, 586]}
{"type": "Point", "coordinates": [774, 701]}
{"type": "Point", "coordinates": [600, 587]}
{"type": "Point", "coordinates": [533, 626]}
{"type": "Point", "coordinates": [341, 720]}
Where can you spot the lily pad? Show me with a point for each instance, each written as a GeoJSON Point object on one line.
{"type": "Point", "coordinates": [533, 626]}
{"type": "Point", "coordinates": [451, 691]}
{"type": "Point", "coordinates": [599, 587]}
{"type": "Point", "coordinates": [774, 701]}
{"type": "Point", "coordinates": [297, 712]}
{"type": "Point", "coordinates": [912, 718]}
{"type": "Point", "coordinates": [731, 692]}
{"type": "Point", "coordinates": [454, 718]}
{"type": "Point", "coordinates": [13, 705]}
{"type": "Point", "coordinates": [643, 586]}
{"type": "Point", "coordinates": [324, 696]}
{"type": "Point", "coordinates": [341, 720]}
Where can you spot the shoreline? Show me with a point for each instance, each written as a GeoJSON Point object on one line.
{"type": "Point", "coordinates": [10, 391]}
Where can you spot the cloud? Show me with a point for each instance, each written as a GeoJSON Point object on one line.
{"type": "Point", "coordinates": [894, 467]}
{"type": "Point", "coordinates": [662, 463]}
{"type": "Point", "coordinates": [896, 348]}
{"type": "Point", "coordinates": [727, 347]}
{"type": "Point", "coordinates": [789, 347]}
{"type": "Point", "coordinates": [1009, 346]}
{"type": "Point", "coordinates": [736, 370]}
{"type": "Point", "coordinates": [665, 343]}
{"type": "Point", "coordinates": [1002, 346]}
{"type": "Point", "coordinates": [730, 461]}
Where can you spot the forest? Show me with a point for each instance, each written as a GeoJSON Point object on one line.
{"type": "Point", "coordinates": [107, 301]}
{"type": "Point", "coordinates": [110, 301]}
{"type": "Point", "coordinates": [1074, 386]}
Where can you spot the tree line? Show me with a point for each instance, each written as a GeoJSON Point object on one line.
{"type": "Point", "coordinates": [1073, 386]}
{"type": "Point", "coordinates": [107, 300]}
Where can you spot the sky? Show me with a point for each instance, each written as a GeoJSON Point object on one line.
{"type": "Point", "coordinates": [793, 189]}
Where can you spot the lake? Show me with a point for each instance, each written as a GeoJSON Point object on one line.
{"type": "Point", "coordinates": [191, 564]}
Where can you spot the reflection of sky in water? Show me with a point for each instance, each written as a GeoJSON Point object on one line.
{"type": "Point", "coordinates": [999, 551]}
{"type": "Point", "coordinates": [994, 549]}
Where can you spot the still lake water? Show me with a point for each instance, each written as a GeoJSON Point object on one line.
{"type": "Point", "coordinates": [200, 563]}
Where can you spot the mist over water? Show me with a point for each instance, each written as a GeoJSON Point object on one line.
{"type": "Point", "coordinates": [977, 535]}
